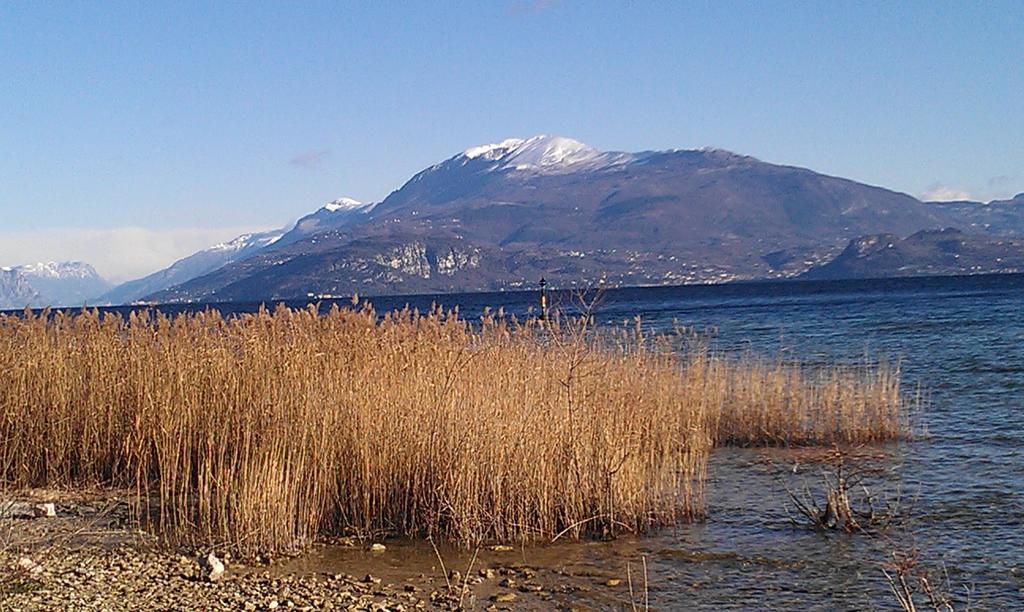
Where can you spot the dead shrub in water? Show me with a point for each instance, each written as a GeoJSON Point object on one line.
{"type": "Point", "coordinates": [915, 586]}
{"type": "Point", "coordinates": [848, 503]}
{"type": "Point", "coordinates": [264, 431]}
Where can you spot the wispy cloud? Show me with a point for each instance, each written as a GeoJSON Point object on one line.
{"type": "Point", "coordinates": [519, 8]}
{"type": "Point", "coordinates": [311, 159]}
{"type": "Point", "coordinates": [118, 254]}
{"type": "Point", "coordinates": [938, 192]}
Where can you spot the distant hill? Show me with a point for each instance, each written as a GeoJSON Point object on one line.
{"type": "Point", "coordinates": [926, 253]}
{"type": "Point", "coordinates": [194, 265]}
{"type": "Point", "coordinates": [500, 216]}
{"type": "Point", "coordinates": [334, 214]}
{"type": "Point", "coordinates": [998, 217]}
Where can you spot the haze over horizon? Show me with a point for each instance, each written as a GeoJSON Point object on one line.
{"type": "Point", "coordinates": [134, 136]}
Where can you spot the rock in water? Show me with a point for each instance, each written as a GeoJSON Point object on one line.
{"type": "Point", "coordinates": [378, 548]}
{"type": "Point", "coordinates": [213, 568]}
{"type": "Point", "coordinates": [48, 510]}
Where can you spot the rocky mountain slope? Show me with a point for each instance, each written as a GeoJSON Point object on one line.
{"type": "Point", "coordinates": [500, 216]}
{"type": "Point", "coordinates": [15, 291]}
{"type": "Point", "coordinates": [926, 253]}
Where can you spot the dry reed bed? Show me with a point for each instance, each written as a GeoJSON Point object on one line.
{"type": "Point", "coordinates": [265, 431]}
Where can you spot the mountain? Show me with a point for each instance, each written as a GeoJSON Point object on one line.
{"type": "Point", "coordinates": [68, 283]}
{"type": "Point", "coordinates": [337, 213]}
{"type": "Point", "coordinates": [501, 215]}
{"type": "Point", "coordinates": [926, 253]}
{"type": "Point", "coordinates": [15, 291]}
{"type": "Point", "coordinates": [998, 217]}
{"type": "Point", "coordinates": [194, 265]}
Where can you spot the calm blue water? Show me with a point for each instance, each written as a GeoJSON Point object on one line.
{"type": "Point", "coordinates": [960, 339]}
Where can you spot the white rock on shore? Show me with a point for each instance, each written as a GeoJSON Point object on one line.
{"type": "Point", "coordinates": [213, 568]}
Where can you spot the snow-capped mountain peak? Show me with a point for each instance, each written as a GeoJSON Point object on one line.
{"type": "Point", "coordinates": [548, 151]}
{"type": "Point", "coordinates": [344, 203]}
{"type": "Point", "coordinates": [58, 270]}
{"type": "Point", "coordinates": [493, 151]}
{"type": "Point", "coordinates": [545, 154]}
{"type": "Point", "coordinates": [65, 283]}
{"type": "Point", "coordinates": [246, 241]}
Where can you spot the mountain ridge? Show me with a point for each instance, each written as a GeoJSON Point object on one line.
{"type": "Point", "coordinates": [498, 216]}
{"type": "Point", "coordinates": [65, 283]}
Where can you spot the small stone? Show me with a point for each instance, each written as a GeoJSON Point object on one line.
{"type": "Point", "coordinates": [213, 568]}
{"type": "Point", "coordinates": [48, 510]}
{"type": "Point", "coordinates": [508, 583]}
{"type": "Point", "coordinates": [502, 548]}
{"type": "Point", "coordinates": [488, 573]}
{"type": "Point", "coordinates": [371, 579]}
{"type": "Point", "coordinates": [455, 576]}
{"type": "Point", "coordinates": [29, 566]}
{"type": "Point", "coordinates": [273, 604]}
{"type": "Point", "coordinates": [250, 606]}
{"type": "Point", "coordinates": [377, 547]}
{"type": "Point", "coordinates": [504, 597]}
{"type": "Point", "coordinates": [613, 582]}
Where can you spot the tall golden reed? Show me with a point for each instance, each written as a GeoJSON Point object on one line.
{"type": "Point", "coordinates": [263, 432]}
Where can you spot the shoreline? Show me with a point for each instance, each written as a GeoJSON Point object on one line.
{"type": "Point", "coordinates": [89, 556]}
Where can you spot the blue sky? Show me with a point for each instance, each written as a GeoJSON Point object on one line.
{"type": "Point", "coordinates": [165, 126]}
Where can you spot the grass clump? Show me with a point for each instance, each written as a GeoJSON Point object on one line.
{"type": "Point", "coordinates": [265, 431]}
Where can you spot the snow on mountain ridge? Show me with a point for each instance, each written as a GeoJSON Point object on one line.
{"type": "Point", "coordinates": [493, 151]}
{"type": "Point", "coordinates": [260, 239]}
{"type": "Point", "coordinates": [344, 203]}
{"type": "Point", "coordinates": [545, 154]}
{"type": "Point", "coordinates": [54, 269]}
